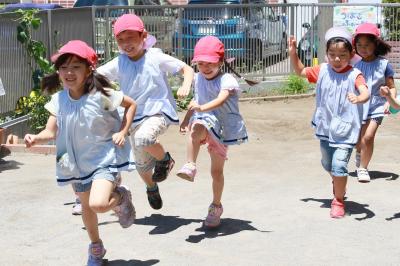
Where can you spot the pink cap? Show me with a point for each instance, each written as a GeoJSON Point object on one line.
{"type": "Point", "coordinates": [209, 49]}
{"type": "Point", "coordinates": [78, 48]}
{"type": "Point", "coordinates": [128, 22]}
{"type": "Point", "coordinates": [367, 28]}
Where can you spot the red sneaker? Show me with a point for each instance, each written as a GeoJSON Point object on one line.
{"type": "Point", "coordinates": [337, 209]}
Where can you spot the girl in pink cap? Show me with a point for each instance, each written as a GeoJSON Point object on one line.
{"type": "Point", "coordinates": [141, 73]}
{"type": "Point", "coordinates": [90, 138]}
{"type": "Point", "coordinates": [340, 92]}
{"type": "Point", "coordinates": [377, 72]}
{"type": "Point", "coordinates": [213, 118]}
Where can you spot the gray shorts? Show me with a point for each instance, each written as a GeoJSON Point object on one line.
{"type": "Point", "coordinates": [102, 173]}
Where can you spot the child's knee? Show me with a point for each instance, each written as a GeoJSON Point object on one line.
{"type": "Point", "coordinates": [217, 174]}
{"type": "Point", "coordinates": [198, 132]}
{"type": "Point", "coordinates": [99, 205]}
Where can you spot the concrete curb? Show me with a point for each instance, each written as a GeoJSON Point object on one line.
{"type": "Point", "coordinates": [277, 98]}
{"type": "Point", "coordinates": [38, 149]}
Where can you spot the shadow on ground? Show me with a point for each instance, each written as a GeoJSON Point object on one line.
{"type": "Point", "coordinates": [130, 262]}
{"type": "Point", "coordinates": [395, 216]}
{"type": "Point", "coordinates": [228, 227]}
{"type": "Point", "coordinates": [164, 224]}
{"type": "Point", "coordinates": [379, 175]}
{"type": "Point", "coordinates": [352, 208]}
{"type": "Point", "coordinates": [9, 165]}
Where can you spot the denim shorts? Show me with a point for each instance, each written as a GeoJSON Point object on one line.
{"type": "Point", "coordinates": [103, 173]}
{"type": "Point", "coordinates": [335, 159]}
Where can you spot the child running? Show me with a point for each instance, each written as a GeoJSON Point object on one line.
{"type": "Point", "coordinates": [337, 119]}
{"type": "Point", "coordinates": [213, 118]}
{"type": "Point", "coordinates": [377, 72]}
{"type": "Point", "coordinates": [141, 73]}
{"type": "Point", "coordinates": [90, 138]}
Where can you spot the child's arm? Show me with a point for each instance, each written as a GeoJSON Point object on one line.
{"type": "Point", "coordinates": [188, 74]}
{"type": "Point", "coordinates": [390, 93]}
{"type": "Point", "coordinates": [297, 65]}
{"type": "Point", "coordinates": [46, 134]}
{"type": "Point", "coordinates": [129, 114]}
{"type": "Point", "coordinates": [362, 97]}
{"type": "Point", "coordinates": [183, 126]}
{"type": "Point", "coordinates": [217, 102]}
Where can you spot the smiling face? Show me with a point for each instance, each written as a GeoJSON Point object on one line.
{"type": "Point", "coordinates": [131, 42]}
{"type": "Point", "coordinates": [365, 47]}
{"type": "Point", "coordinates": [209, 70]}
{"type": "Point", "coordinates": [339, 56]}
{"type": "Point", "coordinates": [73, 74]}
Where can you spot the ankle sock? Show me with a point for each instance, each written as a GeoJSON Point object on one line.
{"type": "Point", "coordinates": [153, 188]}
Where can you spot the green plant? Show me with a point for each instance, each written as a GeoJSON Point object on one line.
{"type": "Point", "coordinates": [392, 21]}
{"type": "Point", "coordinates": [36, 50]}
{"type": "Point", "coordinates": [296, 85]}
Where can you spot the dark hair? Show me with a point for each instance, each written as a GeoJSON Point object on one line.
{"type": "Point", "coordinates": [51, 82]}
{"type": "Point", "coordinates": [381, 47]}
{"type": "Point", "coordinates": [231, 69]}
{"type": "Point", "coordinates": [336, 40]}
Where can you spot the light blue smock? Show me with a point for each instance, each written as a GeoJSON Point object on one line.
{"type": "Point", "coordinates": [225, 122]}
{"type": "Point", "coordinates": [374, 73]}
{"type": "Point", "coordinates": [336, 119]}
{"type": "Point", "coordinates": [145, 81]}
{"type": "Point", "coordinates": [84, 137]}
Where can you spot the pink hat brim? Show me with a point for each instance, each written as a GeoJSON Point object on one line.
{"type": "Point", "coordinates": [206, 58]}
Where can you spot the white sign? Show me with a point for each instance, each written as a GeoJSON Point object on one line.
{"type": "Point", "coordinates": [2, 92]}
{"type": "Point", "coordinates": [352, 16]}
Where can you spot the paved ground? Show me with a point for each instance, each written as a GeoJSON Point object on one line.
{"type": "Point", "coordinates": [276, 203]}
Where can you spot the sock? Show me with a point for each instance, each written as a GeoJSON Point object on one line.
{"type": "Point", "coordinates": [153, 188]}
{"type": "Point", "coordinates": [166, 157]}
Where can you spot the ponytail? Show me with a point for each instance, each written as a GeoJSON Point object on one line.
{"type": "Point", "coordinates": [231, 69]}
{"type": "Point", "coordinates": [50, 83]}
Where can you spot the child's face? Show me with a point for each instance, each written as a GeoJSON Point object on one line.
{"type": "Point", "coordinates": [339, 56]}
{"type": "Point", "coordinates": [365, 47]}
{"type": "Point", "coordinates": [73, 74]}
{"type": "Point", "coordinates": [209, 70]}
{"type": "Point", "coordinates": [131, 43]}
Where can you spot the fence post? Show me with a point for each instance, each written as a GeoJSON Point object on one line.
{"type": "Point", "coordinates": [180, 32]}
{"type": "Point", "coordinates": [49, 31]}
{"type": "Point", "coordinates": [94, 40]}
{"type": "Point", "coordinates": [107, 43]}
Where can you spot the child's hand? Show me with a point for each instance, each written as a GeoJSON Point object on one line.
{"type": "Point", "coordinates": [292, 45]}
{"type": "Point", "coordinates": [183, 92]}
{"type": "Point", "coordinates": [384, 91]}
{"type": "Point", "coordinates": [352, 98]}
{"type": "Point", "coordinates": [183, 127]}
{"type": "Point", "coordinates": [29, 140]}
{"type": "Point", "coordinates": [118, 139]}
{"type": "Point", "coordinates": [386, 107]}
{"type": "Point", "coordinates": [194, 106]}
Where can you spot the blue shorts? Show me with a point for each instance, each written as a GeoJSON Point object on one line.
{"type": "Point", "coordinates": [103, 173]}
{"type": "Point", "coordinates": [335, 159]}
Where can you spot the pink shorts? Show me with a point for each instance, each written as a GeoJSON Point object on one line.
{"type": "Point", "coordinates": [213, 145]}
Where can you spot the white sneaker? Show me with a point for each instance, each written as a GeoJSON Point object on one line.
{"type": "Point", "coordinates": [358, 159]}
{"type": "Point", "coordinates": [363, 175]}
{"type": "Point", "coordinates": [77, 207]}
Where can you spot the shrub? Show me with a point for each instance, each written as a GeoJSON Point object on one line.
{"type": "Point", "coordinates": [296, 85]}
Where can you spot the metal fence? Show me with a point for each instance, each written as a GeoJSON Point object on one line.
{"type": "Point", "coordinates": [256, 35]}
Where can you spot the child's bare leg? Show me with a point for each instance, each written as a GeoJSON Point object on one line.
{"type": "Point", "coordinates": [339, 187]}
{"type": "Point", "coordinates": [198, 133]}
{"type": "Point", "coordinates": [89, 217]}
{"type": "Point", "coordinates": [147, 178]}
{"type": "Point", "coordinates": [155, 150]}
{"type": "Point", "coordinates": [217, 173]}
{"type": "Point", "coordinates": [102, 196]}
{"type": "Point", "coordinates": [362, 133]}
{"type": "Point", "coordinates": [367, 143]}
